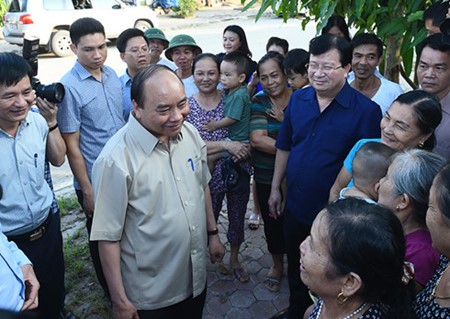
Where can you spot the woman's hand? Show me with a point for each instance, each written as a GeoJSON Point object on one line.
{"type": "Point", "coordinates": [277, 114]}
{"type": "Point", "coordinates": [210, 126]}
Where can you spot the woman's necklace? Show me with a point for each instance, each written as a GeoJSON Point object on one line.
{"type": "Point", "coordinates": [359, 309]}
{"type": "Point", "coordinates": [433, 293]}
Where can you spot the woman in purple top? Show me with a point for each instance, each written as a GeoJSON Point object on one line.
{"type": "Point", "coordinates": [207, 105]}
{"type": "Point", "coordinates": [405, 190]}
{"type": "Point", "coordinates": [434, 300]}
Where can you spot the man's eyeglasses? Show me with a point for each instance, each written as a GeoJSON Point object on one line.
{"type": "Point", "coordinates": [313, 67]}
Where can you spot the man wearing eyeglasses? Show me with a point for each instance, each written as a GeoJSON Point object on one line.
{"type": "Point", "coordinates": [134, 50]}
{"type": "Point", "coordinates": [433, 73]}
{"type": "Point", "coordinates": [321, 124]}
{"type": "Point", "coordinates": [90, 114]}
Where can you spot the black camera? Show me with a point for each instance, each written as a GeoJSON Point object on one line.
{"type": "Point", "coordinates": [53, 92]}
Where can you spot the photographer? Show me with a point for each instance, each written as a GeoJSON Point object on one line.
{"type": "Point", "coordinates": [26, 141]}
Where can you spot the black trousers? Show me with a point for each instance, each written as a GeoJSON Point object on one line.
{"type": "Point", "coordinates": [46, 254]}
{"type": "Point", "coordinates": [191, 308]}
{"type": "Point", "coordinates": [294, 234]}
{"type": "Point", "coordinates": [273, 228]}
{"type": "Point", "coordinates": [93, 249]}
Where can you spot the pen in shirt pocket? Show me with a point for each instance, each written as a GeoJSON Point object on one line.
{"type": "Point", "coordinates": [35, 160]}
{"type": "Point", "coordinates": [191, 161]}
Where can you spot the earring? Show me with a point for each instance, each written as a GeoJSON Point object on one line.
{"type": "Point", "coordinates": [398, 207]}
{"type": "Point", "coordinates": [421, 145]}
{"type": "Point", "coordinates": [341, 298]}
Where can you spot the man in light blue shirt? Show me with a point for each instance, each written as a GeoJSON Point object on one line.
{"type": "Point", "coordinates": [133, 49]}
{"type": "Point", "coordinates": [90, 114]}
{"type": "Point", "coordinates": [26, 141]}
{"type": "Point", "coordinates": [18, 285]}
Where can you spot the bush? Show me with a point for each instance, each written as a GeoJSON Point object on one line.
{"type": "Point", "coordinates": [186, 8]}
{"type": "Point", "coordinates": [3, 9]}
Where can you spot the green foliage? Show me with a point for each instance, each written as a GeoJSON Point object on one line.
{"type": "Point", "coordinates": [3, 9]}
{"type": "Point", "coordinates": [398, 21]}
{"type": "Point", "coordinates": [186, 8]}
{"type": "Point", "coordinates": [67, 204]}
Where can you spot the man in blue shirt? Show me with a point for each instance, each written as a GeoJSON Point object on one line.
{"type": "Point", "coordinates": [19, 285]}
{"type": "Point", "coordinates": [90, 114]}
{"type": "Point", "coordinates": [321, 124]}
{"type": "Point", "coordinates": [134, 51]}
{"type": "Point", "coordinates": [26, 141]}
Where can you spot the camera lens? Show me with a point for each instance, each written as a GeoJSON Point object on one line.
{"type": "Point", "coordinates": [53, 92]}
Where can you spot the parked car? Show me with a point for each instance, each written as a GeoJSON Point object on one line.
{"type": "Point", "coordinates": [49, 20]}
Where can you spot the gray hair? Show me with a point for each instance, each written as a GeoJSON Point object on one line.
{"type": "Point", "coordinates": [413, 175]}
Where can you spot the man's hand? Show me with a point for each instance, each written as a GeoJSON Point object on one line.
{"type": "Point", "coordinates": [48, 110]}
{"type": "Point", "coordinates": [31, 288]}
{"type": "Point", "coordinates": [124, 310]}
{"type": "Point", "coordinates": [275, 204]}
{"type": "Point", "coordinates": [216, 249]}
{"type": "Point", "coordinates": [88, 203]}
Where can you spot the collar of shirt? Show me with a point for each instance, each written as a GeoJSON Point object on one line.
{"type": "Point", "coordinates": [84, 74]}
{"type": "Point", "coordinates": [147, 141]}
{"type": "Point", "coordinates": [125, 79]}
{"type": "Point", "coordinates": [342, 98]}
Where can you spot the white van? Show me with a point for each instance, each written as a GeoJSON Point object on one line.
{"type": "Point", "coordinates": [49, 20]}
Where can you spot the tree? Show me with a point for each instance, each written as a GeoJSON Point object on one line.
{"type": "Point", "coordinates": [398, 23]}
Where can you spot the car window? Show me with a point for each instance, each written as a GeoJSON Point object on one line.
{"type": "Point", "coordinates": [18, 6]}
{"type": "Point", "coordinates": [105, 4]}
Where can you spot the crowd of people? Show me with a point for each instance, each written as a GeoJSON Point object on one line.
{"type": "Point", "coordinates": [349, 174]}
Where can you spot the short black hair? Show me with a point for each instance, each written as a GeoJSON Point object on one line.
{"type": "Point", "coordinates": [282, 43]}
{"type": "Point", "coordinates": [367, 38]}
{"type": "Point", "coordinates": [202, 56]}
{"type": "Point", "coordinates": [296, 61]}
{"type": "Point", "coordinates": [371, 162]}
{"type": "Point", "coordinates": [434, 42]}
{"type": "Point", "coordinates": [85, 26]}
{"type": "Point", "coordinates": [326, 42]}
{"type": "Point", "coordinates": [240, 59]}
{"type": "Point", "coordinates": [436, 13]}
{"type": "Point", "coordinates": [271, 55]}
{"type": "Point", "coordinates": [13, 68]}
{"type": "Point", "coordinates": [126, 35]}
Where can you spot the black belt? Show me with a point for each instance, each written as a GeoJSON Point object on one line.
{"type": "Point", "coordinates": [36, 233]}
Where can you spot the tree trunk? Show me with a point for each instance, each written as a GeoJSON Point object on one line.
{"type": "Point", "coordinates": [392, 64]}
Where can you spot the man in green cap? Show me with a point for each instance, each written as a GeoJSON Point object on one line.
{"type": "Point", "coordinates": [157, 43]}
{"type": "Point", "coordinates": [182, 51]}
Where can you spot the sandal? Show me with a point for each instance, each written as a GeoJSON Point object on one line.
{"type": "Point", "coordinates": [272, 283]}
{"type": "Point", "coordinates": [253, 221]}
{"type": "Point", "coordinates": [241, 274]}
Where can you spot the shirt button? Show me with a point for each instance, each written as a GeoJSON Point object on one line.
{"type": "Point", "coordinates": [178, 179]}
{"type": "Point", "coordinates": [193, 227]}
{"type": "Point", "coordinates": [194, 251]}
{"type": "Point", "coordinates": [313, 134]}
{"type": "Point", "coordinates": [25, 183]}
{"type": "Point", "coordinates": [21, 162]}
{"type": "Point", "coordinates": [185, 203]}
